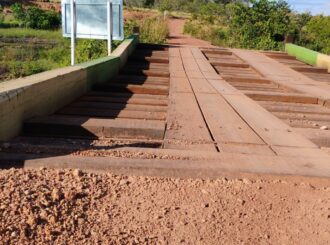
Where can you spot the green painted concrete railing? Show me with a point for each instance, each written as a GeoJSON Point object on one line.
{"type": "Point", "coordinates": [103, 69]}
{"type": "Point", "coordinates": [308, 56]}
{"type": "Point", "coordinates": [44, 93]}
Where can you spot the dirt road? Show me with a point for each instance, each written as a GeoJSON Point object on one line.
{"type": "Point", "coordinates": [177, 37]}
{"type": "Point", "coordinates": [72, 207]}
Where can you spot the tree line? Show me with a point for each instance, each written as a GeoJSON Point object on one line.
{"type": "Point", "coordinates": [260, 24]}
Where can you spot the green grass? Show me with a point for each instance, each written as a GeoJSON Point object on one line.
{"type": "Point", "coordinates": [216, 34]}
{"type": "Point", "coordinates": [30, 33]}
{"type": "Point", "coordinates": [180, 14]}
{"type": "Point", "coordinates": [152, 30]}
{"type": "Point", "coordinates": [23, 59]}
{"type": "Point", "coordinates": [145, 10]}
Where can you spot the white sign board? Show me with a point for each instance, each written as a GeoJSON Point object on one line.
{"type": "Point", "coordinates": [92, 18]}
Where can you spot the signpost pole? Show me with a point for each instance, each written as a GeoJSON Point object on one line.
{"type": "Point", "coordinates": [73, 31]}
{"type": "Point", "coordinates": [109, 11]}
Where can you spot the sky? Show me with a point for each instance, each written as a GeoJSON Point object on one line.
{"type": "Point", "coordinates": [313, 6]}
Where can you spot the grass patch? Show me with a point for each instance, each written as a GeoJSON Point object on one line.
{"type": "Point", "coordinates": [152, 30]}
{"type": "Point", "coordinates": [30, 33]}
{"type": "Point", "coordinates": [48, 49]}
{"type": "Point", "coordinates": [23, 58]}
{"type": "Point", "coordinates": [180, 14]}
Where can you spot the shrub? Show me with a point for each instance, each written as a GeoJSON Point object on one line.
{"type": "Point", "coordinates": [165, 5]}
{"type": "Point", "coordinates": [36, 18]}
{"type": "Point", "coordinates": [35, 66]}
{"type": "Point", "coordinates": [153, 30]}
{"type": "Point", "coordinates": [2, 16]}
{"type": "Point", "coordinates": [316, 34]}
{"type": "Point", "coordinates": [259, 25]}
{"type": "Point", "coordinates": [90, 49]}
{"type": "Point", "coordinates": [217, 35]}
{"type": "Point", "coordinates": [18, 12]}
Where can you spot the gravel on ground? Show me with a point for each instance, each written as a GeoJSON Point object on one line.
{"type": "Point", "coordinates": [47, 206]}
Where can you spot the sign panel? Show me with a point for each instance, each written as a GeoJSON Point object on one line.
{"type": "Point", "coordinates": [92, 19]}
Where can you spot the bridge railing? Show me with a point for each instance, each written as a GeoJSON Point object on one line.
{"type": "Point", "coordinates": [308, 56]}
{"type": "Point", "coordinates": [44, 93]}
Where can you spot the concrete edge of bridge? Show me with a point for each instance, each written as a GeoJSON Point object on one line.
{"type": "Point", "coordinates": [44, 93]}
{"type": "Point", "coordinates": [214, 167]}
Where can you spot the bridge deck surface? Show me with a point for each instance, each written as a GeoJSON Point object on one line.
{"type": "Point", "coordinates": [186, 110]}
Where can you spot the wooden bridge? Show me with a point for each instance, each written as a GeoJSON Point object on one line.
{"type": "Point", "coordinates": [182, 111]}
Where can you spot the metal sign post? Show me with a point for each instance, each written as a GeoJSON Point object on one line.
{"type": "Point", "coordinates": [73, 31]}
{"type": "Point", "coordinates": [92, 19]}
{"type": "Point", "coordinates": [109, 14]}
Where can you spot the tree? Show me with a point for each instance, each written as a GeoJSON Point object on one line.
{"type": "Point", "coordinates": [316, 34]}
{"type": "Point", "coordinates": [261, 25]}
{"type": "Point", "coordinates": [2, 16]}
{"type": "Point", "coordinates": [18, 12]}
{"type": "Point", "coordinates": [36, 18]}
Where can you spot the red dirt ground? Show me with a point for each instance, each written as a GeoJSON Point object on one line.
{"type": "Point", "coordinates": [72, 207]}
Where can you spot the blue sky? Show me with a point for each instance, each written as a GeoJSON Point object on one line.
{"type": "Point", "coordinates": [313, 6]}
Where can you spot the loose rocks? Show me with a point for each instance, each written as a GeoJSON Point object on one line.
{"type": "Point", "coordinates": [74, 207]}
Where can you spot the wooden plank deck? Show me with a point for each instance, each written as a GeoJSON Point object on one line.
{"type": "Point", "coordinates": [207, 109]}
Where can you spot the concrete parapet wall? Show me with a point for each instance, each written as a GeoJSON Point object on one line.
{"type": "Point", "coordinates": [308, 56]}
{"type": "Point", "coordinates": [100, 70]}
{"type": "Point", "coordinates": [44, 93]}
{"type": "Point", "coordinates": [323, 61]}
{"type": "Point", "coordinates": [126, 49]}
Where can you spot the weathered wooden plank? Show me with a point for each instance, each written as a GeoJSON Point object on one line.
{"type": "Point", "coordinates": [111, 113]}
{"type": "Point", "coordinates": [271, 129]}
{"type": "Point", "coordinates": [201, 85]}
{"type": "Point", "coordinates": [248, 149]}
{"type": "Point", "coordinates": [117, 106]}
{"type": "Point", "coordinates": [185, 123]}
{"type": "Point", "coordinates": [180, 84]}
{"type": "Point", "coordinates": [87, 127]}
{"type": "Point", "coordinates": [224, 123]}
{"type": "Point", "coordinates": [281, 97]}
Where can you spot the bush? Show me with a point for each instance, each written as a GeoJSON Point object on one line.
{"type": "Point", "coordinates": [215, 34]}
{"type": "Point", "coordinates": [90, 49]}
{"type": "Point", "coordinates": [153, 30]}
{"type": "Point", "coordinates": [165, 5]}
{"type": "Point", "coordinates": [18, 12]}
{"type": "Point", "coordinates": [259, 25]}
{"type": "Point", "coordinates": [211, 11]}
{"type": "Point", "coordinates": [36, 18]}
{"type": "Point", "coordinates": [2, 16]}
{"type": "Point", "coordinates": [316, 34]}
{"type": "Point", "coordinates": [36, 66]}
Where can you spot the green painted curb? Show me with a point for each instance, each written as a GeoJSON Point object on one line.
{"type": "Point", "coordinates": [44, 93]}
{"type": "Point", "coordinates": [103, 69]}
{"type": "Point", "coordinates": [100, 70]}
{"type": "Point", "coordinates": [303, 54]}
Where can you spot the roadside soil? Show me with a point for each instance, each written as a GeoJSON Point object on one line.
{"type": "Point", "coordinates": [74, 207]}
